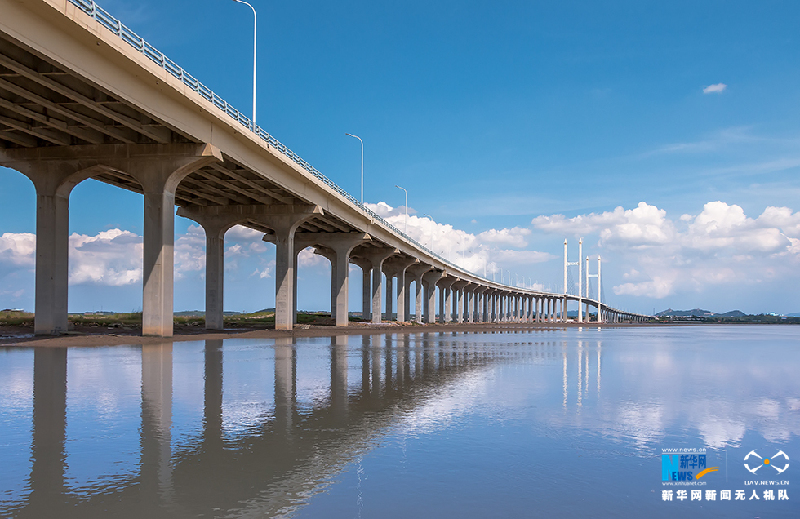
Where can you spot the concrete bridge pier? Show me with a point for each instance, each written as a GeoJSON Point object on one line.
{"type": "Point", "coordinates": [396, 267]}
{"type": "Point", "coordinates": [448, 294]}
{"type": "Point", "coordinates": [376, 257]}
{"type": "Point", "coordinates": [415, 273]}
{"type": "Point", "coordinates": [366, 286]}
{"type": "Point", "coordinates": [337, 247]}
{"type": "Point", "coordinates": [55, 171]}
{"type": "Point", "coordinates": [215, 227]}
{"type": "Point", "coordinates": [458, 287]}
{"type": "Point", "coordinates": [483, 316]}
{"type": "Point", "coordinates": [430, 280]}
{"type": "Point", "coordinates": [53, 180]}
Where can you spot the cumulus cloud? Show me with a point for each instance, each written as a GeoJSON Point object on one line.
{"type": "Point", "coordinates": [719, 245]}
{"type": "Point", "coordinates": [484, 253]}
{"type": "Point", "coordinates": [190, 255]}
{"type": "Point", "coordinates": [18, 249]}
{"type": "Point", "coordinates": [643, 226]}
{"type": "Point", "coordinates": [715, 89]}
{"type": "Point", "coordinates": [307, 258]}
{"type": "Point", "coordinates": [112, 258]}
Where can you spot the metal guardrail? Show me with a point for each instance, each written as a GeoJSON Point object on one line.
{"type": "Point", "coordinates": [105, 19]}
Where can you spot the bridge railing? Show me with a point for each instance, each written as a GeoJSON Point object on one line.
{"type": "Point", "coordinates": [105, 19]}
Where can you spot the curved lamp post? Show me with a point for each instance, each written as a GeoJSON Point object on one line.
{"type": "Point", "coordinates": [254, 57]}
{"type": "Point", "coordinates": [362, 165]}
{"type": "Point", "coordinates": [405, 225]}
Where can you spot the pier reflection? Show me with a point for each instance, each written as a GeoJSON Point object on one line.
{"type": "Point", "coordinates": [270, 468]}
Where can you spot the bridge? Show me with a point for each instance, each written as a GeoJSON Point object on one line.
{"type": "Point", "coordinates": [83, 96]}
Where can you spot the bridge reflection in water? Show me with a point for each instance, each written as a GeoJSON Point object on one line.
{"type": "Point", "coordinates": [265, 464]}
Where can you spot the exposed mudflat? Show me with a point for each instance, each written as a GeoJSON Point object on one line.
{"type": "Point", "coordinates": [108, 335]}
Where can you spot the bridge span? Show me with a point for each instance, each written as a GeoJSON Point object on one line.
{"type": "Point", "coordinates": [83, 96]}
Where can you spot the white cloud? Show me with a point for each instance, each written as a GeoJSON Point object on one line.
{"type": "Point", "coordinates": [112, 258]}
{"type": "Point", "coordinates": [307, 258]}
{"type": "Point", "coordinates": [720, 245]}
{"type": "Point", "coordinates": [658, 288]}
{"type": "Point", "coordinates": [475, 253]}
{"type": "Point", "coordinates": [190, 255]}
{"type": "Point", "coordinates": [242, 233]}
{"type": "Point", "coordinates": [512, 237]}
{"type": "Point", "coordinates": [262, 274]}
{"type": "Point", "coordinates": [18, 249]}
{"type": "Point", "coordinates": [715, 89]}
{"type": "Point", "coordinates": [640, 227]}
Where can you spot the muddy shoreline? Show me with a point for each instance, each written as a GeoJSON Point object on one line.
{"type": "Point", "coordinates": [83, 336]}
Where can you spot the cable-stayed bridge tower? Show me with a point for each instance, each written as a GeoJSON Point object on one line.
{"type": "Point", "coordinates": [578, 264]}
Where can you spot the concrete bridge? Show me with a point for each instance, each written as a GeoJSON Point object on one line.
{"type": "Point", "coordinates": [83, 96]}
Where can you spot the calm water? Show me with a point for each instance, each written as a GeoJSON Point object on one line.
{"type": "Point", "coordinates": [556, 423]}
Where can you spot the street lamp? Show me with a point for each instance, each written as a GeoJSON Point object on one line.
{"type": "Point", "coordinates": [254, 57]}
{"type": "Point", "coordinates": [430, 243]}
{"type": "Point", "coordinates": [405, 226]}
{"type": "Point", "coordinates": [362, 165]}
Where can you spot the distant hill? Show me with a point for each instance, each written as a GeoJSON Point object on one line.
{"type": "Point", "coordinates": [699, 312]}
{"type": "Point", "coordinates": [696, 312]}
{"type": "Point", "coordinates": [733, 313]}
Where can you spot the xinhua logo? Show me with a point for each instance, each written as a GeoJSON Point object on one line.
{"type": "Point", "coordinates": [684, 467]}
{"type": "Point", "coordinates": [780, 465]}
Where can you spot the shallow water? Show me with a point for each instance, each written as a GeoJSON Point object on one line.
{"type": "Point", "coordinates": [546, 423]}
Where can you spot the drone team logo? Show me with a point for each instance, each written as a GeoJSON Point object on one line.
{"type": "Point", "coordinates": [778, 465]}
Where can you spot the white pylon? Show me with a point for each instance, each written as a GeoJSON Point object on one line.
{"type": "Point", "coordinates": [580, 276]}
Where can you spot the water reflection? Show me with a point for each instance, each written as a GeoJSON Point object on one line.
{"type": "Point", "coordinates": [273, 424]}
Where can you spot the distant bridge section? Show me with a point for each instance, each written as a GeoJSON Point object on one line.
{"type": "Point", "coordinates": [83, 96]}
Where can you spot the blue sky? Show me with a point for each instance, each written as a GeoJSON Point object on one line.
{"type": "Point", "coordinates": [535, 120]}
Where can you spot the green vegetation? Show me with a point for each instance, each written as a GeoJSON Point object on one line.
{"type": "Point", "coordinates": [16, 318]}
{"type": "Point", "coordinates": [263, 319]}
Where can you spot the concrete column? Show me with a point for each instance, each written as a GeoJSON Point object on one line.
{"type": "Point", "coordinates": [458, 309]}
{"type": "Point", "coordinates": [215, 277]}
{"type": "Point", "coordinates": [442, 297]}
{"type": "Point", "coordinates": [337, 247]}
{"type": "Point", "coordinates": [430, 279]}
{"type": "Point", "coordinates": [407, 279]}
{"type": "Point", "coordinates": [389, 296]}
{"type": "Point", "coordinates": [366, 292]}
{"type": "Point", "coordinates": [284, 227]}
{"type": "Point", "coordinates": [446, 298]}
{"type": "Point", "coordinates": [215, 227]}
{"type": "Point", "coordinates": [376, 257]}
{"type": "Point", "coordinates": [159, 170]}
{"type": "Point", "coordinates": [396, 267]}
{"type": "Point", "coordinates": [416, 272]}
{"type": "Point", "coordinates": [366, 285]}
{"type": "Point", "coordinates": [52, 259]}
{"type": "Point", "coordinates": [54, 180]}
